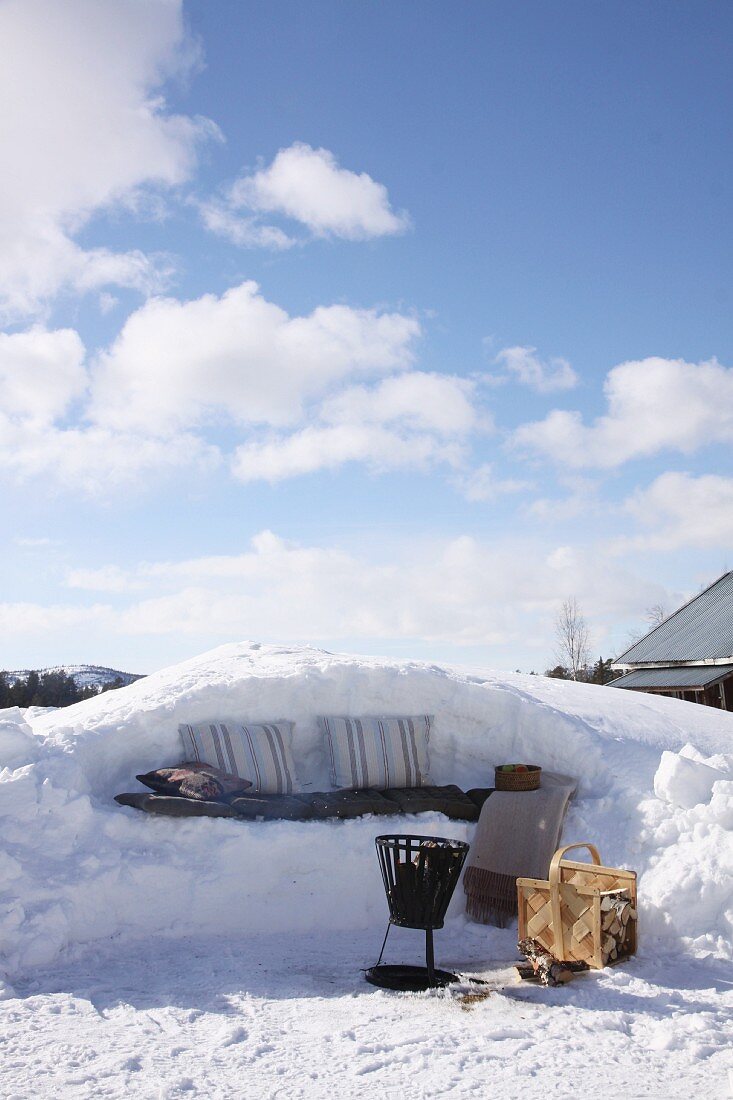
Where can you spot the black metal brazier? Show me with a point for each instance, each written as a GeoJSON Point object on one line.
{"type": "Point", "coordinates": [420, 874]}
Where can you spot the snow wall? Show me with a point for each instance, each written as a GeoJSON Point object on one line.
{"type": "Point", "coordinates": [76, 868]}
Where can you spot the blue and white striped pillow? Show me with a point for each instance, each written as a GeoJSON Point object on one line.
{"type": "Point", "coordinates": [378, 752]}
{"type": "Point", "coordinates": [261, 753]}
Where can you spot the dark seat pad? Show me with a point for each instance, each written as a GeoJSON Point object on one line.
{"type": "Point", "coordinates": [272, 807]}
{"type": "Point", "coordinates": [319, 805]}
{"type": "Point", "coordinates": [347, 804]}
{"type": "Point", "coordinates": [449, 800]}
{"type": "Point", "coordinates": [174, 805]}
{"type": "Point", "coordinates": [478, 795]}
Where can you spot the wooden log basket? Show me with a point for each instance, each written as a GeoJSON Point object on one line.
{"type": "Point", "coordinates": [584, 912]}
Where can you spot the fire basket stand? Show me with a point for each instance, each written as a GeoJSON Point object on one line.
{"type": "Point", "coordinates": [420, 874]}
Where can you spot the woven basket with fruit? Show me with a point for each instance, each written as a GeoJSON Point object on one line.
{"type": "Point", "coordinates": [517, 777]}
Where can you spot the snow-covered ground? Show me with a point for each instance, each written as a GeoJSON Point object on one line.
{"type": "Point", "coordinates": [291, 1017]}
{"type": "Point", "coordinates": [159, 957]}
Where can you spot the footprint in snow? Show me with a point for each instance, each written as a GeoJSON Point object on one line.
{"type": "Point", "coordinates": [263, 1048]}
{"type": "Point", "coordinates": [239, 1035]}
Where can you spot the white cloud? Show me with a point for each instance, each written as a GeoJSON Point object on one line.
{"type": "Point", "coordinates": [246, 232]}
{"type": "Point", "coordinates": [457, 591]}
{"type": "Point", "coordinates": [482, 484]}
{"type": "Point", "coordinates": [43, 380]}
{"type": "Point", "coordinates": [94, 461]}
{"type": "Point", "coordinates": [315, 448]}
{"type": "Point", "coordinates": [412, 421]}
{"type": "Point", "coordinates": [308, 186]}
{"type": "Point", "coordinates": [110, 578]}
{"type": "Point", "coordinates": [440, 403]}
{"type": "Point", "coordinates": [40, 543]}
{"type": "Point", "coordinates": [682, 510]}
{"type": "Point", "coordinates": [564, 559]}
{"type": "Point", "coordinates": [178, 369]}
{"type": "Point", "coordinates": [107, 302]}
{"type": "Point", "coordinates": [41, 373]}
{"type": "Point", "coordinates": [37, 619]}
{"type": "Point", "coordinates": [84, 127]}
{"type": "Point", "coordinates": [582, 500]}
{"type": "Point", "coordinates": [238, 357]}
{"type": "Point", "coordinates": [525, 366]}
{"type": "Point", "coordinates": [653, 405]}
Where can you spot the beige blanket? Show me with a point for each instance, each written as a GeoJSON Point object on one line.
{"type": "Point", "coordinates": [516, 835]}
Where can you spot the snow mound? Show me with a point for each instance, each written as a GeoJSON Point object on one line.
{"type": "Point", "coordinates": [686, 782]}
{"type": "Point", "coordinates": [17, 743]}
{"type": "Point", "coordinates": [77, 868]}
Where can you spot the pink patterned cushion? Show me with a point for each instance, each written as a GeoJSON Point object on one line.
{"type": "Point", "coordinates": [194, 780]}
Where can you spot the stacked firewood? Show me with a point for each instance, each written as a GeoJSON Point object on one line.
{"type": "Point", "coordinates": [544, 967]}
{"type": "Point", "coordinates": [616, 914]}
{"type": "Point", "coordinates": [616, 940]}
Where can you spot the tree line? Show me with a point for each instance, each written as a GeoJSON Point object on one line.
{"type": "Point", "coordinates": [48, 689]}
{"type": "Point", "coordinates": [573, 647]}
{"type": "Point", "coordinates": [598, 672]}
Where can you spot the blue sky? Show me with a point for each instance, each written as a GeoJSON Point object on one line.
{"type": "Point", "coordinates": [486, 364]}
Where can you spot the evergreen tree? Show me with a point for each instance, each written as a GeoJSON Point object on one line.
{"type": "Point", "coordinates": [47, 689]}
{"type": "Point", "coordinates": [602, 671]}
{"type": "Point", "coordinates": [559, 672]}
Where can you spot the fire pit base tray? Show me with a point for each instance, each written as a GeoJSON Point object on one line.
{"type": "Point", "coordinates": [409, 979]}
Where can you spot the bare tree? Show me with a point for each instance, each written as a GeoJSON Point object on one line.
{"type": "Point", "coordinates": [571, 637]}
{"type": "Point", "coordinates": [655, 615]}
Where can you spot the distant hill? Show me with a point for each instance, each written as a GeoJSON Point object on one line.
{"type": "Point", "coordinates": [59, 686]}
{"type": "Point", "coordinates": [84, 676]}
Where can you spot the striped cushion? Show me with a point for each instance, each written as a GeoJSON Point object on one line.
{"type": "Point", "coordinates": [378, 752]}
{"type": "Point", "coordinates": [261, 754]}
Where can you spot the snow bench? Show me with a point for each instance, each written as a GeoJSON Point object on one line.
{"type": "Point", "coordinates": [320, 805]}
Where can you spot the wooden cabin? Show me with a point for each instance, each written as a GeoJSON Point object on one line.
{"type": "Point", "coordinates": [690, 654]}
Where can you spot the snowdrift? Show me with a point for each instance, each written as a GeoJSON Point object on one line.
{"type": "Point", "coordinates": [656, 794]}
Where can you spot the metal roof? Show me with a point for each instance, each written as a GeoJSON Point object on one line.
{"type": "Point", "coordinates": [702, 630]}
{"type": "Point", "coordinates": [679, 677]}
